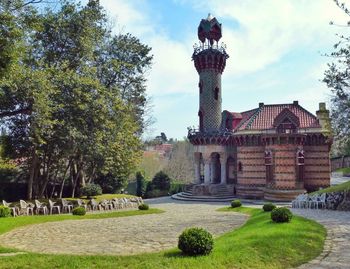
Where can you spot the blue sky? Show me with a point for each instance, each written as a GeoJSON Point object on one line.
{"type": "Point", "coordinates": [276, 52]}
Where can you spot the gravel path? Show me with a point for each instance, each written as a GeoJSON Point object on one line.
{"type": "Point", "coordinates": [336, 253]}
{"type": "Point", "coordinates": [126, 235]}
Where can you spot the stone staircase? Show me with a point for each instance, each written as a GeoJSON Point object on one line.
{"type": "Point", "coordinates": [222, 194]}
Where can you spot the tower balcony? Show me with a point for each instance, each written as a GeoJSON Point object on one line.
{"type": "Point", "coordinates": [200, 137]}
{"type": "Point", "coordinates": [206, 46]}
{"type": "Point", "coordinates": [210, 57]}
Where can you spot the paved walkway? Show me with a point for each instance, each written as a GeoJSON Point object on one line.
{"type": "Point", "coordinates": [123, 236]}
{"type": "Point", "coordinates": [336, 253]}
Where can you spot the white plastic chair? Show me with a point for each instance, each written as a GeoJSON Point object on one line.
{"type": "Point", "coordinates": [40, 207]}
{"type": "Point", "coordinates": [54, 207]}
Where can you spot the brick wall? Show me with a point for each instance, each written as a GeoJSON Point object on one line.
{"type": "Point", "coordinates": [317, 167]}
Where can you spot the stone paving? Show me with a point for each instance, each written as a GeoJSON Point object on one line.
{"type": "Point", "coordinates": [336, 253]}
{"type": "Point", "coordinates": [126, 235]}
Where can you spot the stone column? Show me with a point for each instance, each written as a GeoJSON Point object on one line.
{"type": "Point", "coordinates": [207, 161]}
{"type": "Point", "coordinates": [212, 170]}
{"type": "Point", "coordinates": [197, 168]}
{"type": "Point", "coordinates": [223, 162]}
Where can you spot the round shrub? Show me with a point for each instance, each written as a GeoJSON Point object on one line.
{"type": "Point", "coordinates": [236, 203]}
{"type": "Point", "coordinates": [91, 190]}
{"type": "Point", "coordinates": [281, 214]}
{"type": "Point", "coordinates": [144, 207]}
{"type": "Point", "coordinates": [269, 207]}
{"type": "Point", "coordinates": [4, 211]}
{"type": "Point", "coordinates": [79, 211]}
{"type": "Point", "coordinates": [195, 241]}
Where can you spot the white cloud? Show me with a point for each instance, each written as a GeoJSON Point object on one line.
{"type": "Point", "coordinates": [268, 31]}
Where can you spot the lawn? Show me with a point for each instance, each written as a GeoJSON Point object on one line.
{"type": "Point", "coordinates": [345, 170]}
{"type": "Point", "coordinates": [259, 243]}
{"type": "Point", "coordinates": [337, 188]}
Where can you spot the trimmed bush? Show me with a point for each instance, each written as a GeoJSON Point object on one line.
{"type": "Point", "coordinates": [281, 214]}
{"type": "Point", "coordinates": [4, 211]}
{"type": "Point", "coordinates": [91, 190]}
{"type": "Point", "coordinates": [144, 207]}
{"type": "Point", "coordinates": [269, 207]}
{"type": "Point", "coordinates": [79, 211]}
{"type": "Point", "coordinates": [236, 203]}
{"type": "Point", "coordinates": [195, 241]}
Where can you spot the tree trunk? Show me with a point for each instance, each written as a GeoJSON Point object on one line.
{"type": "Point", "coordinates": [32, 175]}
{"type": "Point", "coordinates": [64, 178]}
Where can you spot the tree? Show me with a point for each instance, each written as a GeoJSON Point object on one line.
{"type": "Point", "coordinates": [140, 184]}
{"type": "Point", "coordinates": [60, 113]}
{"type": "Point", "coordinates": [337, 78]}
{"type": "Point", "coordinates": [161, 181]}
{"type": "Point", "coordinates": [180, 164]}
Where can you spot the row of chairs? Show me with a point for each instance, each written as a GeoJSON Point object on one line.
{"type": "Point", "coordinates": [313, 201]}
{"type": "Point", "coordinates": [24, 208]}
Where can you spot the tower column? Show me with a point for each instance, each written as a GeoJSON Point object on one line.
{"type": "Point", "coordinates": [197, 168]}
{"type": "Point", "coordinates": [223, 162]}
{"type": "Point", "coordinates": [207, 161]}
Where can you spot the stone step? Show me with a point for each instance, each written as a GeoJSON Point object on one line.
{"type": "Point", "coordinates": [203, 198]}
{"type": "Point", "coordinates": [190, 195]}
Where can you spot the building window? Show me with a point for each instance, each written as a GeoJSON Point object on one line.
{"type": "Point", "coordinates": [200, 115]}
{"type": "Point", "coordinates": [240, 167]}
{"type": "Point", "coordinates": [216, 93]}
{"type": "Point", "coordinates": [200, 87]}
{"type": "Point", "coordinates": [300, 165]}
{"type": "Point", "coordinates": [286, 127]}
{"type": "Point", "coordinates": [268, 166]}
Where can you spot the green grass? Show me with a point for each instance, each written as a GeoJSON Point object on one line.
{"type": "Point", "coordinates": [259, 243]}
{"type": "Point", "coordinates": [336, 188]}
{"type": "Point", "coordinates": [345, 170]}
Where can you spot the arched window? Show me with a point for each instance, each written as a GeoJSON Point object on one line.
{"type": "Point", "coordinates": [216, 93]}
{"type": "Point", "coordinates": [286, 127]}
{"type": "Point", "coordinates": [200, 115]}
{"type": "Point", "coordinates": [268, 166]}
{"type": "Point", "coordinates": [300, 165]}
{"type": "Point", "coordinates": [240, 167]}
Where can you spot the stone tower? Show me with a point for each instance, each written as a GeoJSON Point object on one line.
{"type": "Point", "coordinates": [209, 60]}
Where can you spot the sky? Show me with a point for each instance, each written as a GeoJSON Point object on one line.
{"type": "Point", "coordinates": [277, 53]}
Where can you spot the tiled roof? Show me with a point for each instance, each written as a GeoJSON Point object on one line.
{"type": "Point", "coordinates": [263, 117]}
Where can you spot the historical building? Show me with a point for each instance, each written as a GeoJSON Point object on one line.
{"type": "Point", "coordinates": [273, 151]}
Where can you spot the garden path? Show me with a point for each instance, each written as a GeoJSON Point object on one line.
{"type": "Point", "coordinates": [126, 235]}
{"type": "Point", "coordinates": [336, 253]}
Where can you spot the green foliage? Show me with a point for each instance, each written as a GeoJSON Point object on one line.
{"type": "Point", "coordinates": [337, 78]}
{"type": "Point", "coordinates": [161, 181]}
{"type": "Point", "coordinates": [143, 207]}
{"type": "Point", "coordinates": [79, 211]}
{"type": "Point", "coordinates": [281, 214]}
{"type": "Point", "coordinates": [176, 187]}
{"type": "Point", "coordinates": [236, 203]}
{"type": "Point", "coordinates": [4, 211]}
{"type": "Point", "coordinates": [141, 184]}
{"type": "Point", "coordinates": [156, 193]}
{"type": "Point", "coordinates": [269, 207]}
{"type": "Point", "coordinates": [195, 241]}
{"type": "Point", "coordinates": [72, 94]}
{"type": "Point", "coordinates": [91, 190]}
{"type": "Point", "coordinates": [8, 171]}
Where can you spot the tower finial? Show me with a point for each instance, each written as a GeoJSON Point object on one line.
{"type": "Point", "coordinates": [210, 17]}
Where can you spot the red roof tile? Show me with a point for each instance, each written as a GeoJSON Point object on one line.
{"type": "Point", "coordinates": [262, 118]}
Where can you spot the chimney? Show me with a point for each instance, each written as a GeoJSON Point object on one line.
{"type": "Point", "coordinates": [295, 103]}
{"type": "Point", "coordinates": [323, 117]}
{"type": "Point", "coordinates": [261, 105]}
